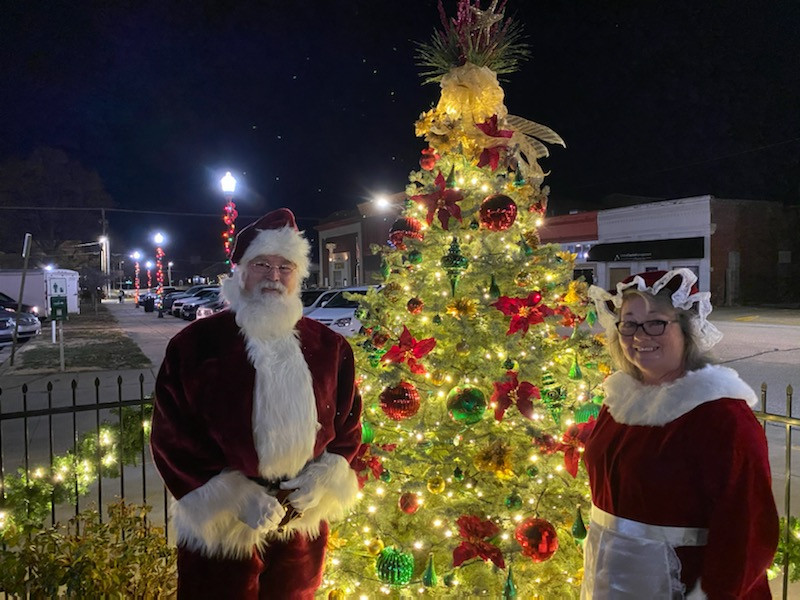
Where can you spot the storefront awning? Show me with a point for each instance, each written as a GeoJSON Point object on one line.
{"type": "Point", "coordinates": [647, 250]}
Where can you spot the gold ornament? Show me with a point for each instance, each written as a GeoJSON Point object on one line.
{"type": "Point", "coordinates": [463, 307]}
{"type": "Point", "coordinates": [392, 291]}
{"type": "Point", "coordinates": [437, 378]}
{"type": "Point", "coordinates": [336, 594]}
{"type": "Point", "coordinates": [423, 125]}
{"type": "Point", "coordinates": [462, 348]}
{"type": "Point", "coordinates": [531, 238]}
{"type": "Point", "coordinates": [374, 546]}
{"type": "Point", "coordinates": [436, 485]}
{"type": "Point", "coordinates": [495, 458]}
{"type": "Point", "coordinates": [604, 368]}
{"type": "Point", "coordinates": [523, 279]}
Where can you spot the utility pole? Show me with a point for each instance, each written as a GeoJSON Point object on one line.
{"type": "Point", "coordinates": [26, 252]}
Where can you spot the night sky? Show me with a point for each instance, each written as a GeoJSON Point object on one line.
{"type": "Point", "coordinates": [311, 103]}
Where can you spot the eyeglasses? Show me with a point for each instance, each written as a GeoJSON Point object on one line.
{"type": "Point", "coordinates": [265, 267]}
{"type": "Point", "coordinates": [654, 328]}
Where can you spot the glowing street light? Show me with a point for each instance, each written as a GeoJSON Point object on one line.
{"type": "Point", "coordinates": [228, 184]}
{"type": "Point", "coordinates": [136, 255]}
{"type": "Point", "coordinates": [170, 264]}
{"type": "Point", "coordinates": [105, 261]}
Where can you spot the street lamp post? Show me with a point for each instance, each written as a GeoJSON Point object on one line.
{"type": "Point", "coordinates": [136, 256]}
{"type": "Point", "coordinates": [159, 238]}
{"type": "Point", "coordinates": [105, 263]}
{"type": "Point", "coordinates": [169, 272]}
{"type": "Point", "coordinates": [228, 184]}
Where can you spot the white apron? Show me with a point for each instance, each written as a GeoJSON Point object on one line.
{"type": "Point", "coordinates": [629, 560]}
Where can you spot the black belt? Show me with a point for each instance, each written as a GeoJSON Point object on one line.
{"type": "Point", "coordinates": [272, 485]}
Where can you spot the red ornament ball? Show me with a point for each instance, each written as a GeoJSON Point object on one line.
{"type": "Point", "coordinates": [498, 212]}
{"type": "Point", "coordinates": [404, 227]}
{"type": "Point", "coordinates": [400, 402]}
{"type": "Point", "coordinates": [414, 306]}
{"type": "Point", "coordinates": [538, 539]}
{"type": "Point", "coordinates": [428, 159]}
{"type": "Point", "coordinates": [409, 503]}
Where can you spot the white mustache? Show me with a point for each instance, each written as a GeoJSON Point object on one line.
{"type": "Point", "coordinates": [273, 285]}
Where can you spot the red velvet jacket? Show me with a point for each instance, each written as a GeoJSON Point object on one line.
{"type": "Point", "coordinates": [202, 418]}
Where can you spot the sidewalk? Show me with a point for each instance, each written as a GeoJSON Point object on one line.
{"type": "Point", "coordinates": [757, 314]}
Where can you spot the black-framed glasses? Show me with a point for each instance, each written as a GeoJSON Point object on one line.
{"type": "Point", "coordinates": [265, 267]}
{"type": "Point", "coordinates": [654, 327]}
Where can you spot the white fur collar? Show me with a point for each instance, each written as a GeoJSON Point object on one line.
{"type": "Point", "coordinates": [633, 403]}
{"type": "Point", "coordinates": [284, 409]}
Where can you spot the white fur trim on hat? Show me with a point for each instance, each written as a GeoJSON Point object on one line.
{"type": "Point", "coordinates": [286, 242]}
{"type": "Point", "coordinates": [705, 334]}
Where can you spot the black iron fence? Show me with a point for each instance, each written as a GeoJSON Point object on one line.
{"type": "Point", "coordinates": [62, 451]}
{"type": "Point", "coordinates": [788, 423]}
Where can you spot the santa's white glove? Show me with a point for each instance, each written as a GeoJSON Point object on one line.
{"type": "Point", "coordinates": [262, 512]}
{"type": "Point", "coordinates": [307, 493]}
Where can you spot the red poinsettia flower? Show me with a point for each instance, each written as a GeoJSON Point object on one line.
{"type": "Point", "coordinates": [491, 154]}
{"type": "Point", "coordinates": [573, 442]}
{"type": "Point", "coordinates": [443, 200]}
{"type": "Point", "coordinates": [474, 532]}
{"type": "Point", "coordinates": [524, 312]}
{"type": "Point", "coordinates": [409, 350]}
{"type": "Point", "coordinates": [511, 391]}
{"type": "Point", "coordinates": [365, 462]}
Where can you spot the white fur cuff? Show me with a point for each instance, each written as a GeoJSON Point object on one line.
{"type": "Point", "coordinates": [206, 520]}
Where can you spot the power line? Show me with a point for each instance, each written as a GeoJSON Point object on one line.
{"type": "Point", "coordinates": [140, 211]}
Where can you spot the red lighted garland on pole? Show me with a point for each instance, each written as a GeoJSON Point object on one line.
{"type": "Point", "coordinates": [160, 275]}
{"type": "Point", "coordinates": [229, 215]}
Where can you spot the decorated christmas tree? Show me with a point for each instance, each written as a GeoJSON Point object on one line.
{"type": "Point", "coordinates": [478, 367]}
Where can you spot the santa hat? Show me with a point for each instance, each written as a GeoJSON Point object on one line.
{"type": "Point", "coordinates": [274, 233]}
{"type": "Point", "coordinates": [685, 295]}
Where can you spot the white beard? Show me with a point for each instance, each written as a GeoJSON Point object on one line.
{"type": "Point", "coordinates": [264, 316]}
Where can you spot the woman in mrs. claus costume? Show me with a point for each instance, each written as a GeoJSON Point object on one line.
{"type": "Point", "coordinates": [677, 463]}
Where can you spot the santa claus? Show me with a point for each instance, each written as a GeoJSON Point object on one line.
{"type": "Point", "coordinates": [255, 423]}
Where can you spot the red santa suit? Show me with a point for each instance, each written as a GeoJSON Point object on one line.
{"type": "Point", "coordinates": [681, 489]}
{"type": "Point", "coordinates": [235, 412]}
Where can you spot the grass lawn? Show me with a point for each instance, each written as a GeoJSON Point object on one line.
{"type": "Point", "coordinates": [92, 342]}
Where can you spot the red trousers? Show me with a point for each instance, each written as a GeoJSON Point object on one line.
{"type": "Point", "coordinates": [289, 570]}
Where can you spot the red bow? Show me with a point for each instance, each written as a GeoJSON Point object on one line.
{"type": "Point", "coordinates": [474, 532]}
{"type": "Point", "coordinates": [523, 311]}
{"type": "Point", "coordinates": [511, 391]}
{"type": "Point", "coordinates": [491, 155]}
{"type": "Point", "coordinates": [409, 350]}
{"type": "Point", "coordinates": [441, 199]}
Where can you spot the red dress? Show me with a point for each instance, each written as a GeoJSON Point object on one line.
{"type": "Point", "coordinates": [689, 454]}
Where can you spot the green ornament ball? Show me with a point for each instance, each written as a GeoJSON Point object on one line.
{"type": "Point", "coordinates": [532, 471]}
{"type": "Point", "coordinates": [386, 475]}
{"type": "Point", "coordinates": [394, 566]}
{"type": "Point", "coordinates": [415, 257]}
{"type": "Point", "coordinates": [510, 364]}
{"type": "Point", "coordinates": [360, 313]}
{"type": "Point", "coordinates": [367, 433]}
{"type": "Point", "coordinates": [474, 225]}
{"type": "Point", "coordinates": [450, 580]}
{"type": "Point", "coordinates": [513, 501]}
{"type": "Point", "coordinates": [437, 319]}
{"type": "Point", "coordinates": [458, 474]}
{"type": "Point", "coordinates": [466, 404]}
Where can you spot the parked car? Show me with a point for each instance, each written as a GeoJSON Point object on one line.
{"type": "Point", "coordinates": [339, 313]}
{"type": "Point", "coordinates": [7, 301]}
{"type": "Point", "coordinates": [206, 310]}
{"type": "Point", "coordinates": [29, 326]}
{"type": "Point", "coordinates": [146, 294]}
{"type": "Point", "coordinates": [313, 299]}
{"type": "Point", "coordinates": [170, 298]}
{"type": "Point", "coordinates": [190, 305]}
{"type": "Point", "coordinates": [177, 304]}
